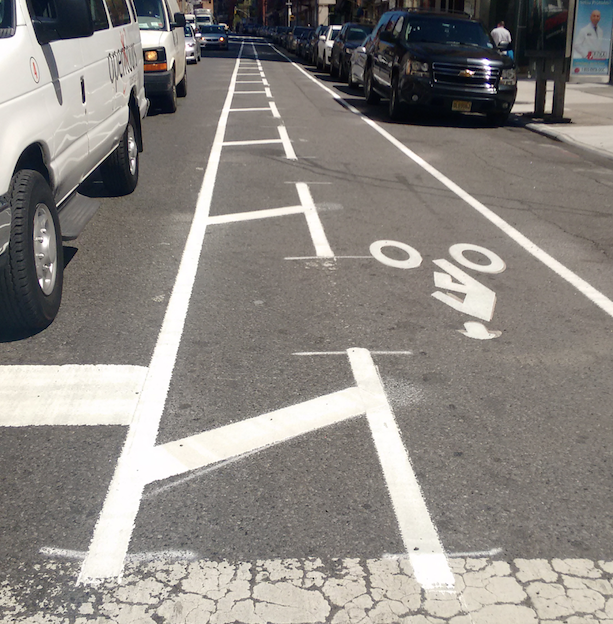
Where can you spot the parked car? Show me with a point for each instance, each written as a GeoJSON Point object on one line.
{"type": "Point", "coordinates": [161, 30]}
{"type": "Point", "coordinates": [439, 61]}
{"type": "Point", "coordinates": [192, 45]}
{"type": "Point", "coordinates": [324, 46]}
{"type": "Point", "coordinates": [302, 40]}
{"type": "Point", "coordinates": [72, 99]}
{"type": "Point", "coordinates": [213, 36]}
{"type": "Point", "coordinates": [346, 42]}
{"type": "Point", "coordinates": [355, 76]}
{"type": "Point", "coordinates": [293, 36]}
{"type": "Point", "coordinates": [311, 46]}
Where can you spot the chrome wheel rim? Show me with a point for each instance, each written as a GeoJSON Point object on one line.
{"type": "Point", "coordinates": [132, 150]}
{"type": "Point", "coordinates": [45, 249]}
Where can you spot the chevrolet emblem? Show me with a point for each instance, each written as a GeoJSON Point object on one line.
{"type": "Point", "coordinates": [467, 73]}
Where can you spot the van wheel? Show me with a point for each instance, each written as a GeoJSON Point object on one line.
{"type": "Point", "coordinates": [31, 281]}
{"type": "Point", "coordinates": [182, 86]}
{"type": "Point", "coordinates": [120, 170]}
{"type": "Point", "coordinates": [169, 103]}
{"type": "Point", "coordinates": [372, 97]}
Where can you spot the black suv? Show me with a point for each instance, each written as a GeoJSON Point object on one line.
{"type": "Point", "coordinates": [438, 60]}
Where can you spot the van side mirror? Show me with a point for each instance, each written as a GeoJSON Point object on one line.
{"type": "Point", "coordinates": [73, 20]}
{"type": "Point", "coordinates": [179, 21]}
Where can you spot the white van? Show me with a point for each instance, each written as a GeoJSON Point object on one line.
{"type": "Point", "coordinates": [161, 24]}
{"type": "Point", "coordinates": [72, 98]}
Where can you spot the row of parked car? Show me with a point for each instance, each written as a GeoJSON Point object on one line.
{"type": "Point", "coordinates": [414, 59]}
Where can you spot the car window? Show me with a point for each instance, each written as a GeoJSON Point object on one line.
{"type": "Point", "coordinates": [212, 29]}
{"type": "Point", "coordinates": [101, 21]}
{"type": "Point", "coordinates": [189, 32]}
{"type": "Point", "coordinates": [119, 12]}
{"type": "Point", "coordinates": [398, 26]}
{"type": "Point", "coordinates": [450, 32]}
{"type": "Point", "coordinates": [357, 33]}
{"type": "Point", "coordinates": [7, 18]}
{"type": "Point", "coordinates": [150, 14]}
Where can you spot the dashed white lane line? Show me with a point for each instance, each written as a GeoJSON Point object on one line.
{"type": "Point", "coordinates": [594, 295]}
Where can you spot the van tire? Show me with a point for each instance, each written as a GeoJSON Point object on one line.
{"type": "Point", "coordinates": [182, 86]}
{"type": "Point", "coordinates": [396, 109]}
{"type": "Point", "coordinates": [35, 253]}
{"type": "Point", "coordinates": [169, 102]}
{"type": "Point", "coordinates": [120, 170]}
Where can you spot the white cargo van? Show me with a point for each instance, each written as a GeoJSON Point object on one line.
{"type": "Point", "coordinates": [163, 39]}
{"type": "Point", "coordinates": [72, 98]}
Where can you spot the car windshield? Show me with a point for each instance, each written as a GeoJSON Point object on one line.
{"type": "Point", "coordinates": [212, 29]}
{"type": "Point", "coordinates": [449, 32]}
{"type": "Point", "coordinates": [358, 33]}
{"type": "Point", "coordinates": [188, 31]}
{"type": "Point", "coordinates": [150, 14]}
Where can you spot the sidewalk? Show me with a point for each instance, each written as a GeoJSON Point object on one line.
{"type": "Point", "coordinates": [589, 106]}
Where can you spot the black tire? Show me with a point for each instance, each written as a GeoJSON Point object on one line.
{"type": "Point", "coordinates": [396, 109]}
{"type": "Point", "coordinates": [333, 69]}
{"type": "Point", "coordinates": [120, 170]}
{"type": "Point", "coordinates": [351, 83]}
{"type": "Point", "coordinates": [372, 97]}
{"type": "Point", "coordinates": [31, 280]}
{"type": "Point", "coordinates": [169, 101]}
{"type": "Point", "coordinates": [182, 86]}
{"type": "Point", "coordinates": [343, 72]}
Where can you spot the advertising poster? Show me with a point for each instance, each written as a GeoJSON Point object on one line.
{"type": "Point", "coordinates": [591, 53]}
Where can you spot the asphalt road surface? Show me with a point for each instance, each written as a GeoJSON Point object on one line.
{"type": "Point", "coordinates": [314, 339]}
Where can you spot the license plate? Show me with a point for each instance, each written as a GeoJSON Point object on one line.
{"type": "Point", "coordinates": [461, 105]}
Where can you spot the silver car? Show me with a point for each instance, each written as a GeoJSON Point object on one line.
{"type": "Point", "coordinates": [357, 64]}
{"type": "Point", "coordinates": [192, 46]}
{"type": "Point", "coordinates": [214, 36]}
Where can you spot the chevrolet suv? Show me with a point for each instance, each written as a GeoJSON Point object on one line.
{"type": "Point", "coordinates": [439, 61]}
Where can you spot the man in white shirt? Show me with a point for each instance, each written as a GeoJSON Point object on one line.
{"type": "Point", "coordinates": [589, 38]}
{"type": "Point", "coordinates": [500, 34]}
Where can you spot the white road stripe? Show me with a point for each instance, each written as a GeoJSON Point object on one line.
{"type": "Point", "coordinates": [418, 533]}
{"type": "Point", "coordinates": [246, 436]}
{"type": "Point", "coordinates": [113, 530]}
{"type": "Point", "coordinates": [256, 214]}
{"type": "Point", "coordinates": [287, 144]}
{"type": "Point", "coordinates": [256, 142]}
{"type": "Point", "coordinates": [322, 247]}
{"type": "Point", "coordinates": [275, 110]}
{"type": "Point", "coordinates": [69, 395]}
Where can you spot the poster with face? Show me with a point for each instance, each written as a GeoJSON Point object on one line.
{"type": "Point", "coordinates": [591, 52]}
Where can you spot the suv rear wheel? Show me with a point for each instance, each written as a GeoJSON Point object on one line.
{"type": "Point", "coordinates": [31, 281]}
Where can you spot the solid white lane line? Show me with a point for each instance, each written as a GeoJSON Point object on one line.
{"type": "Point", "coordinates": [287, 144]}
{"type": "Point", "coordinates": [246, 436]}
{"type": "Point", "coordinates": [114, 528]}
{"type": "Point", "coordinates": [69, 394]}
{"type": "Point", "coordinates": [418, 533]}
{"type": "Point", "coordinates": [322, 247]}
{"type": "Point", "coordinates": [268, 92]}
{"type": "Point", "coordinates": [584, 287]}
{"type": "Point", "coordinates": [275, 110]}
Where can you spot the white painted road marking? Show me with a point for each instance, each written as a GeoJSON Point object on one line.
{"type": "Point", "coordinates": [69, 394]}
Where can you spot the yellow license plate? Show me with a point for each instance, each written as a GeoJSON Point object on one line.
{"type": "Point", "coordinates": [461, 105]}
